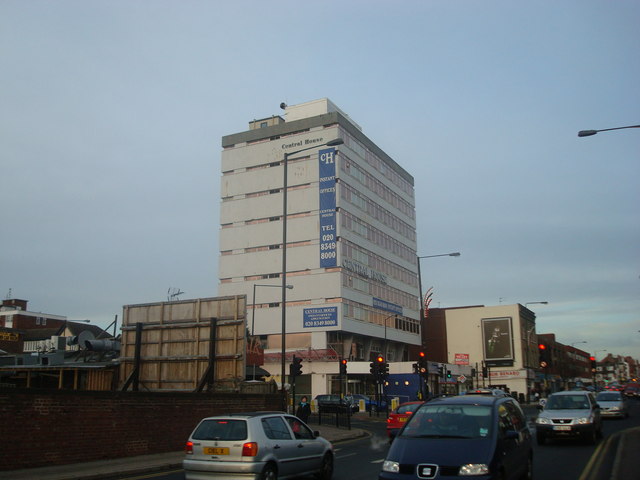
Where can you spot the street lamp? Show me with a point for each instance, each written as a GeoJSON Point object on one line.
{"type": "Point", "coordinates": [385, 333]}
{"type": "Point", "coordinates": [533, 303]}
{"type": "Point", "coordinates": [253, 304]}
{"type": "Point", "coordinates": [285, 164]}
{"type": "Point", "coordinates": [588, 133]}
{"type": "Point", "coordinates": [596, 351]}
{"type": "Point", "coordinates": [452, 254]}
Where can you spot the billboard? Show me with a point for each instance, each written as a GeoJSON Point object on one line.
{"type": "Point", "coordinates": [497, 339]}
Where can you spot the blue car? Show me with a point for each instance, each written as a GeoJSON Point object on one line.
{"type": "Point", "coordinates": [485, 437]}
{"type": "Point", "coordinates": [369, 402]}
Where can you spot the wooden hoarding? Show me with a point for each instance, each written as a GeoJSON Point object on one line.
{"type": "Point", "coordinates": [175, 346]}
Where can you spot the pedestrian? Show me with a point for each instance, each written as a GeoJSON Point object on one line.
{"type": "Point", "coordinates": [304, 410]}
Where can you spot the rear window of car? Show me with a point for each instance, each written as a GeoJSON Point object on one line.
{"type": "Point", "coordinates": [221, 430]}
{"type": "Point", "coordinates": [408, 408]}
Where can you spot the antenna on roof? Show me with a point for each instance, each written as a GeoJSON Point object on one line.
{"type": "Point", "coordinates": [173, 294]}
{"type": "Point", "coordinates": [8, 297]}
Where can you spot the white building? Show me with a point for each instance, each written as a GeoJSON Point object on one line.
{"type": "Point", "coordinates": [501, 338]}
{"type": "Point", "coordinates": [351, 242]}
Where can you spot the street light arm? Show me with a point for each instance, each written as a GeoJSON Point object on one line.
{"type": "Point", "coordinates": [588, 133]}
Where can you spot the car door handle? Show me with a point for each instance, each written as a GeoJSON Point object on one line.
{"type": "Point", "coordinates": [300, 445]}
{"type": "Point", "coordinates": [276, 446]}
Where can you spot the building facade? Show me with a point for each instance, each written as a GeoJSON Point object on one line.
{"type": "Point", "coordinates": [499, 341]}
{"type": "Point", "coordinates": [351, 265]}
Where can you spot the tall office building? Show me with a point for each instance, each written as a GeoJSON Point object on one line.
{"type": "Point", "coordinates": [350, 242]}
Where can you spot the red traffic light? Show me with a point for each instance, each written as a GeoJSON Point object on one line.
{"type": "Point", "coordinates": [593, 359]}
{"type": "Point", "coordinates": [343, 361]}
{"type": "Point", "coordinates": [380, 359]}
{"type": "Point", "coordinates": [542, 346]}
{"type": "Point", "coordinates": [421, 354]}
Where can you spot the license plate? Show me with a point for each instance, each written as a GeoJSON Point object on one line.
{"type": "Point", "coordinates": [402, 419]}
{"type": "Point", "coordinates": [216, 451]}
{"type": "Point", "coordinates": [562, 428]}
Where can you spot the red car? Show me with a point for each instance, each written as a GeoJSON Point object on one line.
{"type": "Point", "coordinates": [399, 416]}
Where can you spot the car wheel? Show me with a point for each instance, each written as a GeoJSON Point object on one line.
{"type": "Point", "coordinates": [540, 438]}
{"type": "Point", "coordinates": [326, 470]}
{"type": "Point", "coordinates": [269, 472]}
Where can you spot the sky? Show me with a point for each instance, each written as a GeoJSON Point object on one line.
{"type": "Point", "coordinates": [112, 113]}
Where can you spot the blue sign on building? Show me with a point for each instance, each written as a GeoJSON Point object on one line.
{"type": "Point", "coordinates": [327, 188]}
{"type": "Point", "coordinates": [388, 306]}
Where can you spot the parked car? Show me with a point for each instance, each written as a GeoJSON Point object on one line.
{"type": "Point", "coordinates": [264, 445]}
{"type": "Point", "coordinates": [369, 402]}
{"type": "Point", "coordinates": [632, 390]}
{"type": "Point", "coordinates": [482, 436]}
{"type": "Point", "coordinates": [399, 416]}
{"type": "Point", "coordinates": [332, 400]}
{"type": "Point", "coordinates": [569, 415]}
{"type": "Point", "coordinates": [612, 404]}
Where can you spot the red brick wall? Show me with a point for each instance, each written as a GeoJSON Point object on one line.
{"type": "Point", "coordinates": [49, 427]}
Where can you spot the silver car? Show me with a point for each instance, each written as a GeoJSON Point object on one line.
{"type": "Point", "coordinates": [260, 445]}
{"type": "Point", "coordinates": [568, 415]}
{"type": "Point", "coordinates": [612, 404]}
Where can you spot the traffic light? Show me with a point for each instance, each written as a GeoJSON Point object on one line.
{"type": "Point", "coordinates": [422, 364]}
{"type": "Point", "coordinates": [448, 373]}
{"type": "Point", "coordinates": [416, 369]}
{"type": "Point", "coordinates": [343, 367]}
{"type": "Point", "coordinates": [441, 370]}
{"type": "Point", "coordinates": [373, 368]}
{"type": "Point", "coordinates": [485, 371]}
{"type": "Point", "coordinates": [382, 368]}
{"type": "Point", "coordinates": [594, 365]}
{"type": "Point", "coordinates": [295, 368]}
{"type": "Point", "coordinates": [543, 355]}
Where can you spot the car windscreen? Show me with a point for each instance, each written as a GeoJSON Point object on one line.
{"type": "Point", "coordinates": [608, 397]}
{"type": "Point", "coordinates": [567, 402]}
{"type": "Point", "coordinates": [449, 421]}
{"type": "Point", "coordinates": [221, 430]}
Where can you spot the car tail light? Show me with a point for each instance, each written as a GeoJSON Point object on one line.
{"type": "Point", "coordinates": [250, 449]}
{"type": "Point", "coordinates": [188, 448]}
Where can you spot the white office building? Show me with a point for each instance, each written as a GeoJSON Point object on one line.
{"type": "Point", "coordinates": [350, 243]}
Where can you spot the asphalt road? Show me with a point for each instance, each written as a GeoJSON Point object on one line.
{"type": "Point", "coordinates": [362, 458]}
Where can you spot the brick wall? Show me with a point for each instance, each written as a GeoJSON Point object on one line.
{"type": "Point", "coordinates": [40, 428]}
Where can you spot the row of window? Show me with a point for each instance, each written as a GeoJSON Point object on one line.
{"type": "Point", "coordinates": [379, 290]}
{"type": "Point", "coordinates": [377, 163]}
{"type": "Point", "coordinates": [368, 314]}
{"type": "Point", "coordinates": [376, 186]}
{"type": "Point", "coordinates": [375, 210]}
{"type": "Point", "coordinates": [378, 263]}
{"type": "Point", "coordinates": [375, 236]}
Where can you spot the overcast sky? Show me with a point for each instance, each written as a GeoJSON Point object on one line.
{"type": "Point", "coordinates": [112, 113]}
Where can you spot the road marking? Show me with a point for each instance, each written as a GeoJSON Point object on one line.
{"type": "Point", "coordinates": [378, 461]}
{"type": "Point", "coordinates": [347, 455]}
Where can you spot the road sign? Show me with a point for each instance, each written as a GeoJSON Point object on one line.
{"type": "Point", "coordinates": [462, 379]}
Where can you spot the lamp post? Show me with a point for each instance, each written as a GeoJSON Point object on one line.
{"type": "Point", "coordinates": [253, 304]}
{"type": "Point", "coordinates": [385, 333]}
{"type": "Point", "coordinates": [285, 165]}
{"type": "Point", "coordinates": [588, 133]}
{"type": "Point", "coordinates": [452, 254]}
